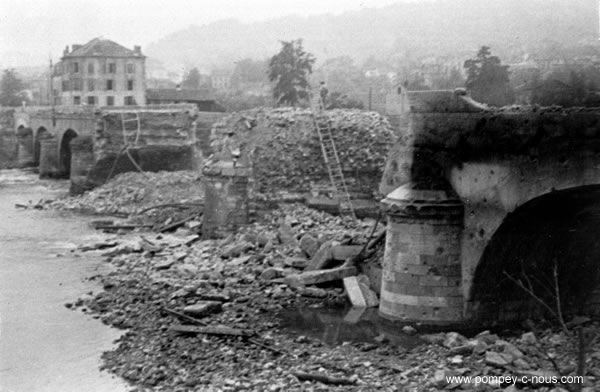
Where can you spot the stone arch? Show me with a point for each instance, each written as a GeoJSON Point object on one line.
{"type": "Point", "coordinates": [65, 152]}
{"type": "Point", "coordinates": [41, 133]}
{"type": "Point", "coordinates": [552, 231]}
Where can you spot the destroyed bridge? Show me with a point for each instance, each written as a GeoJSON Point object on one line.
{"type": "Point", "coordinates": [488, 206]}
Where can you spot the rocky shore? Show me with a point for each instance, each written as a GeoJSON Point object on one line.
{"type": "Point", "coordinates": [203, 315]}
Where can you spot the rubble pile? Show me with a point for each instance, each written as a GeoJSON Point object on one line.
{"type": "Point", "coordinates": [282, 146]}
{"type": "Point", "coordinates": [132, 192]}
{"type": "Point", "coordinates": [203, 314]}
{"type": "Point", "coordinates": [233, 283]}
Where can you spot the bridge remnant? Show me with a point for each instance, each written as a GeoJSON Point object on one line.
{"type": "Point", "coordinates": [458, 155]}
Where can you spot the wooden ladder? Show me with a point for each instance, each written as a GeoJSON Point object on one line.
{"type": "Point", "coordinates": [332, 161]}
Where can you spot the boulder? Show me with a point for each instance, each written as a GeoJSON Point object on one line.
{"type": "Point", "coordinates": [309, 245]}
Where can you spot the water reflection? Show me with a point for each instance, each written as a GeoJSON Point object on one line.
{"type": "Point", "coordinates": [338, 325]}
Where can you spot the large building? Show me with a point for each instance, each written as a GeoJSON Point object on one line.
{"type": "Point", "coordinates": [100, 73]}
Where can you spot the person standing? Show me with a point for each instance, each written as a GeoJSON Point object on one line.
{"type": "Point", "coordinates": [323, 91]}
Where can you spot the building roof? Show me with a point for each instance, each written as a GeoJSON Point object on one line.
{"type": "Point", "coordinates": [99, 47]}
{"type": "Point", "coordinates": [172, 94]}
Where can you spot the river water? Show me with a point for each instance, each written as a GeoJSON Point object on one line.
{"type": "Point", "coordinates": [43, 345]}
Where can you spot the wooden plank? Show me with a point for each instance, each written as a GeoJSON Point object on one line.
{"type": "Point", "coordinates": [321, 276]}
{"type": "Point", "coordinates": [210, 330]}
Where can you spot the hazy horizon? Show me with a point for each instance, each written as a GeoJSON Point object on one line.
{"type": "Point", "coordinates": [32, 32]}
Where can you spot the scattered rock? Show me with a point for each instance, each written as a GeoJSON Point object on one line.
{"type": "Point", "coordinates": [202, 308]}
{"type": "Point", "coordinates": [528, 338]}
{"type": "Point", "coordinates": [286, 235]}
{"type": "Point", "coordinates": [314, 292]}
{"type": "Point", "coordinates": [454, 339]}
{"type": "Point", "coordinates": [271, 273]}
{"type": "Point", "coordinates": [497, 359]}
{"type": "Point", "coordinates": [309, 245]}
{"type": "Point", "coordinates": [322, 258]}
{"type": "Point", "coordinates": [236, 249]}
{"type": "Point", "coordinates": [409, 330]}
{"type": "Point", "coordinates": [295, 262]}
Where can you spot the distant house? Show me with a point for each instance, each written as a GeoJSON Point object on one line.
{"type": "Point", "coordinates": [220, 80]}
{"type": "Point", "coordinates": [203, 99]}
{"type": "Point", "coordinates": [100, 73]}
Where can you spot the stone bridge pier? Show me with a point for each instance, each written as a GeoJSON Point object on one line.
{"type": "Point", "coordinates": [481, 198]}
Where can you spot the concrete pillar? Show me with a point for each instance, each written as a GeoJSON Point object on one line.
{"type": "Point", "coordinates": [225, 198]}
{"type": "Point", "coordinates": [49, 165]}
{"type": "Point", "coordinates": [421, 278]}
{"type": "Point", "coordinates": [82, 161]}
{"type": "Point", "coordinates": [25, 154]}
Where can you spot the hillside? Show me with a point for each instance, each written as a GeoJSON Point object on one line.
{"type": "Point", "coordinates": [511, 27]}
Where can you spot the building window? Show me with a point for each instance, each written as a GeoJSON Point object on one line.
{"type": "Point", "coordinates": [65, 85]}
{"type": "Point", "coordinates": [109, 84]}
{"type": "Point", "coordinates": [75, 67]}
{"type": "Point", "coordinates": [91, 100]}
{"type": "Point", "coordinates": [91, 85]}
{"type": "Point", "coordinates": [130, 68]}
{"type": "Point", "coordinates": [130, 85]}
{"type": "Point", "coordinates": [129, 101]}
{"type": "Point", "coordinates": [76, 85]}
{"type": "Point", "coordinates": [110, 101]}
{"type": "Point", "coordinates": [112, 68]}
{"type": "Point", "coordinates": [77, 100]}
{"type": "Point", "coordinates": [90, 68]}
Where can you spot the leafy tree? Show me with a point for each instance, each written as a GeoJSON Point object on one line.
{"type": "Point", "coordinates": [11, 88]}
{"type": "Point", "coordinates": [192, 79]}
{"type": "Point", "coordinates": [487, 79]}
{"type": "Point", "coordinates": [567, 87]}
{"type": "Point", "coordinates": [289, 69]}
{"type": "Point", "coordinates": [249, 71]}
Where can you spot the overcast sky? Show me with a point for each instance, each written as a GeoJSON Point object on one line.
{"type": "Point", "coordinates": [33, 30]}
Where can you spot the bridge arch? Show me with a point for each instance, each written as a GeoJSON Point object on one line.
{"type": "Point", "coordinates": [65, 152]}
{"type": "Point", "coordinates": [552, 232]}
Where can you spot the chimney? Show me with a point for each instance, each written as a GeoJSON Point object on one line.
{"type": "Point", "coordinates": [137, 49]}
{"type": "Point", "coordinates": [66, 51]}
{"type": "Point", "coordinates": [74, 47]}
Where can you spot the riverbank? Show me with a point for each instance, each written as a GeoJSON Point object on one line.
{"type": "Point", "coordinates": [234, 291]}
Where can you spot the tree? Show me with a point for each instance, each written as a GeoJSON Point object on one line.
{"type": "Point", "coordinates": [11, 88]}
{"type": "Point", "coordinates": [567, 87]}
{"type": "Point", "coordinates": [191, 80]}
{"type": "Point", "coordinates": [487, 79]}
{"type": "Point", "coordinates": [248, 71]}
{"type": "Point", "coordinates": [289, 69]}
